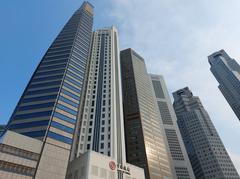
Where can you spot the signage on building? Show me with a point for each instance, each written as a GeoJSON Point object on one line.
{"type": "Point", "coordinates": [120, 167]}
{"type": "Point", "coordinates": [112, 165]}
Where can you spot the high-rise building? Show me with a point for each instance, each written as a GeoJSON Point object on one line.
{"type": "Point", "coordinates": [227, 72]}
{"type": "Point", "coordinates": [101, 127]}
{"type": "Point", "coordinates": [145, 145]}
{"type": "Point", "coordinates": [205, 149]}
{"type": "Point", "coordinates": [179, 159]}
{"type": "Point", "coordinates": [51, 103]}
{"type": "Point", "coordinates": [101, 144]}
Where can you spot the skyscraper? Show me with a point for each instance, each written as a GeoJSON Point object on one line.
{"type": "Point", "coordinates": [101, 145]}
{"type": "Point", "coordinates": [51, 103]}
{"type": "Point", "coordinates": [101, 128]}
{"type": "Point", "coordinates": [205, 149]}
{"type": "Point", "coordinates": [227, 72]}
{"type": "Point", "coordinates": [145, 145]}
{"type": "Point", "coordinates": [180, 163]}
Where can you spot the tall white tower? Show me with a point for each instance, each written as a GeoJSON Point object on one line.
{"type": "Point", "coordinates": [101, 127]}
{"type": "Point", "coordinates": [99, 148]}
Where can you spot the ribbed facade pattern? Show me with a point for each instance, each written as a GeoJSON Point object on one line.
{"type": "Point", "coordinates": [101, 128]}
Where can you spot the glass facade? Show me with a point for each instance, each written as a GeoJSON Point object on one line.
{"type": "Point", "coordinates": [227, 72]}
{"type": "Point", "coordinates": [145, 146]}
{"type": "Point", "coordinates": [50, 106]}
{"type": "Point", "coordinates": [207, 154]}
{"type": "Point", "coordinates": [53, 95]}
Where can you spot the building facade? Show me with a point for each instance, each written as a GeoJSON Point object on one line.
{"type": "Point", "coordinates": [179, 159]}
{"type": "Point", "coordinates": [145, 145]}
{"type": "Point", "coordinates": [94, 165]}
{"type": "Point", "coordinates": [101, 128]}
{"type": "Point", "coordinates": [2, 128]}
{"type": "Point", "coordinates": [101, 141]}
{"type": "Point", "coordinates": [227, 72]}
{"type": "Point", "coordinates": [51, 103]}
{"type": "Point", "coordinates": [19, 155]}
{"type": "Point", "coordinates": [205, 149]}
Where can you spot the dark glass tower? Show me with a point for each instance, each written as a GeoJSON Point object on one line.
{"type": "Point", "coordinates": [51, 103]}
{"type": "Point", "coordinates": [227, 72]}
{"type": "Point", "coordinates": [205, 149]}
{"type": "Point", "coordinates": [144, 136]}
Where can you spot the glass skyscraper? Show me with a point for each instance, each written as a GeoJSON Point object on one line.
{"type": "Point", "coordinates": [207, 154]}
{"type": "Point", "coordinates": [179, 159]}
{"type": "Point", "coordinates": [227, 72]}
{"type": "Point", "coordinates": [51, 103]}
{"type": "Point", "coordinates": [145, 144]}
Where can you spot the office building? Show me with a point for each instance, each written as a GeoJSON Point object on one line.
{"type": "Point", "coordinates": [101, 143]}
{"type": "Point", "coordinates": [205, 149]}
{"type": "Point", "coordinates": [144, 135]}
{"type": "Point", "coordinates": [51, 103]}
{"type": "Point", "coordinates": [227, 72]}
{"type": "Point", "coordinates": [179, 159]}
{"type": "Point", "coordinates": [19, 155]}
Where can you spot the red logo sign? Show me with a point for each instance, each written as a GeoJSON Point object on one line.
{"type": "Point", "coordinates": [112, 165]}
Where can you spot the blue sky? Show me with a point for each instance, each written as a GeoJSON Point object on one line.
{"type": "Point", "coordinates": [175, 38]}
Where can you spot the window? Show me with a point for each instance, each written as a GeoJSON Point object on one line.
{"type": "Point", "coordinates": [32, 115]}
{"type": "Point", "coordinates": [49, 90]}
{"type": "Point", "coordinates": [71, 87]}
{"type": "Point", "coordinates": [42, 98]}
{"type": "Point", "coordinates": [73, 81]}
{"type": "Point", "coordinates": [102, 137]}
{"type": "Point", "coordinates": [59, 137]}
{"type": "Point", "coordinates": [47, 78]}
{"type": "Point", "coordinates": [36, 106]}
{"type": "Point", "coordinates": [88, 146]}
{"type": "Point", "coordinates": [29, 124]}
{"type": "Point", "coordinates": [68, 101]}
{"type": "Point", "coordinates": [65, 118]}
{"type": "Point", "coordinates": [35, 133]}
{"type": "Point", "coordinates": [62, 127]}
{"type": "Point", "coordinates": [62, 107]}
{"type": "Point", "coordinates": [44, 84]}
{"type": "Point", "coordinates": [70, 94]}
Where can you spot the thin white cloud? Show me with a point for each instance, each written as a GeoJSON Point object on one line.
{"type": "Point", "coordinates": [175, 37]}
